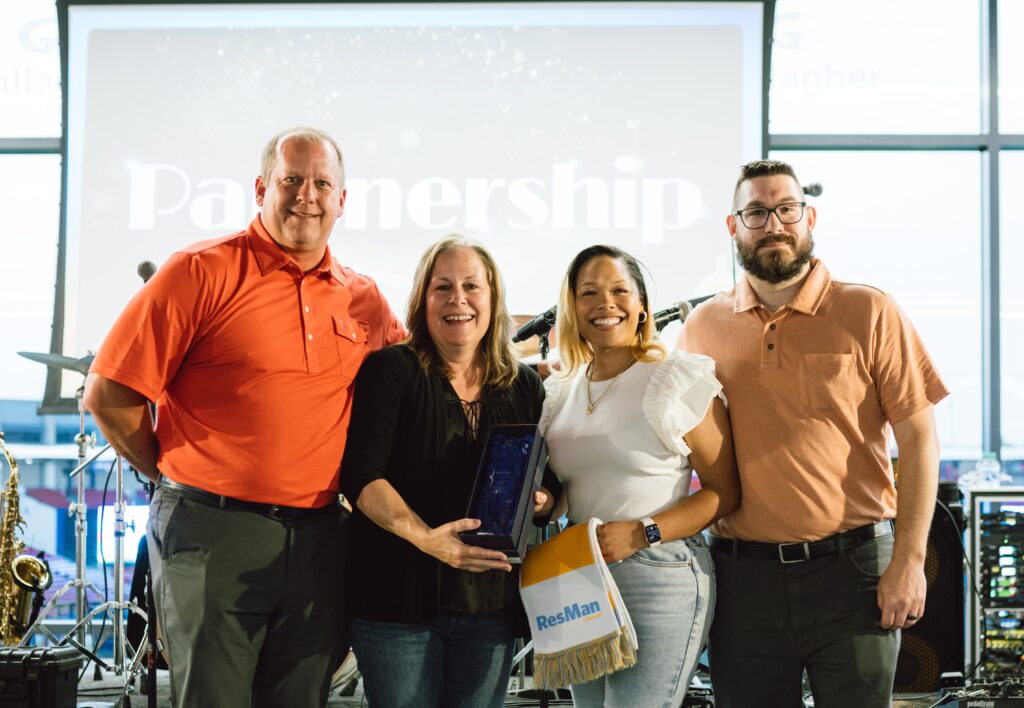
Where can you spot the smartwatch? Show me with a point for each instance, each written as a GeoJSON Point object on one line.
{"type": "Point", "coordinates": [651, 531]}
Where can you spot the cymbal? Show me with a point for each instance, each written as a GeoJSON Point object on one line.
{"type": "Point", "coordinates": [61, 362]}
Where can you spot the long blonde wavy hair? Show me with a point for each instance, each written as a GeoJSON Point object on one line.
{"type": "Point", "coordinates": [574, 350]}
{"type": "Point", "coordinates": [500, 363]}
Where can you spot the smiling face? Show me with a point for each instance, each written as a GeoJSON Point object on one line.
{"type": "Point", "coordinates": [776, 252]}
{"type": "Point", "coordinates": [302, 198]}
{"type": "Point", "coordinates": [458, 302]}
{"type": "Point", "coordinates": [608, 304]}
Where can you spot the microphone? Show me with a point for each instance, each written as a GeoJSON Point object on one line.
{"type": "Point", "coordinates": [678, 311]}
{"type": "Point", "coordinates": [146, 270]}
{"type": "Point", "coordinates": [539, 325]}
{"type": "Point", "coordinates": [814, 189]}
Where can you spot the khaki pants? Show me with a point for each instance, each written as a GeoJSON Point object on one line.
{"type": "Point", "coordinates": [251, 607]}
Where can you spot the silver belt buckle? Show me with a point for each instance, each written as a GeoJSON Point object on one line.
{"type": "Point", "coordinates": [805, 546]}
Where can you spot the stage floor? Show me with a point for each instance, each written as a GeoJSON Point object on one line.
{"type": "Point", "coordinates": [104, 694]}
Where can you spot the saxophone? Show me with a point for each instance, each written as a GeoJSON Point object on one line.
{"type": "Point", "coordinates": [23, 577]}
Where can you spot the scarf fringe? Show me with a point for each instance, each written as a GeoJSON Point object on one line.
{"type": "Point", "coordinates": [584, 662]}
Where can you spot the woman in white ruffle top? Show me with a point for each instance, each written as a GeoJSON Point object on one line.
{"type": "Point", "coordinates": [627, 423]}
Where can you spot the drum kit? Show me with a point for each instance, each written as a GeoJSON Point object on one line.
{"type": "Point", "coordinates": [127, 660]}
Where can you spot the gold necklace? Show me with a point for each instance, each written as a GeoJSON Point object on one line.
{"type": "Point", "coordinates": [591, 403]}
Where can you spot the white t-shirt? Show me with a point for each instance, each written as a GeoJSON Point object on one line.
{"type": "Point", "coordinates": [627, 459]}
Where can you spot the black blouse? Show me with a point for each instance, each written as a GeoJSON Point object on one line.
{"type": "Point", "coordinates": [410, 429]}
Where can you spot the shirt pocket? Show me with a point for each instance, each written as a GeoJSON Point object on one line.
{"type": "Point", "coordinates": [352, 340]}
{"type": "Point", "coordinates": [827, 381]}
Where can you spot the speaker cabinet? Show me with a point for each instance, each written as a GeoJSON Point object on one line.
{"type": "Point", "coordinates": [935, 644]}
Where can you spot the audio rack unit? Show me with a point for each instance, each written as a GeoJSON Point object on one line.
{"type": "Point", "coordinates": [995, 624]}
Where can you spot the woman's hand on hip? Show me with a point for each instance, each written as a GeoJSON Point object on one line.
{"type": "Point", "coordinates": [620, 539]}
{"type": "Point", "coordinates": [444, 544]}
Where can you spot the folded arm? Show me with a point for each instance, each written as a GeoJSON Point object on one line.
{"type": "Point", "coordinates": [123, 416]}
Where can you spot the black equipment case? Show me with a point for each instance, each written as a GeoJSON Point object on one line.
{"type": "Point", "coordinates": [39, 677]}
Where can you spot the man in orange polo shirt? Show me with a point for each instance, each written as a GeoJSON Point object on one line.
{"type": "Point", "coordinates": [248, 345]}
{"type": "Point", "coordinates": [816, 371]}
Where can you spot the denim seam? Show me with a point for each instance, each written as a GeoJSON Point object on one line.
{"type": "Point", "coordinates": [664, 564]}
{"type": "Point", "coordinates": [703, 607]}
{"type": "Point", "coordinates": [690, 633]}
{"type": "Point", "coordinates": [849, 556]}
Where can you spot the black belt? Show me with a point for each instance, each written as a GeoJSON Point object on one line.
{"type": "Point", "coordinates": [805, 551]}
{"type": "Point", "coordinates": [277, 512]}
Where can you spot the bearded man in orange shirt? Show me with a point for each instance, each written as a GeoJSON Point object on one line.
{"type": "Point", "coordinates": [248, 345]}
{"type": "Point", "coordinates": [816, 371]}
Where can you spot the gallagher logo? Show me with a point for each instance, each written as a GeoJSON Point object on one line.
{"type": "Point", "coordinates": [568, 614]}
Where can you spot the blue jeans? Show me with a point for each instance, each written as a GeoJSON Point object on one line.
{"type": "Point", "coordinates": [669, 591]}
{"type": "Point", "coordinates": [456, 660]}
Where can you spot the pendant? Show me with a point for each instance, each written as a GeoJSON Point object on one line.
{"type": "Point", "coordinates": [590, 409]}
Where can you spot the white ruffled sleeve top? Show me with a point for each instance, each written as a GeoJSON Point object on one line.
{"type": "Point", "coordinates": [627, 459]}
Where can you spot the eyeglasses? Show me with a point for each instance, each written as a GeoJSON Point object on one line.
{"type": "Point", "coordinates": [757, 217]}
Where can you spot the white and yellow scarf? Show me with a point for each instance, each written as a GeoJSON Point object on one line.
{"type": "Point", "coordinates": [581, 629]}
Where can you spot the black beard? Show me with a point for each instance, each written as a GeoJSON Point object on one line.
{"type": "Point", "coordinates": [772, 266]}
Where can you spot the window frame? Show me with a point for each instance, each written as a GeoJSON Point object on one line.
{"type": "Point", "coordinates": [990, 143]}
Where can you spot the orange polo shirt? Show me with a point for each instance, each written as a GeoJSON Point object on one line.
{"type": "Point", "coordinates": [812, 391]}
{"type": "Point", "coordinates": [251, 364]}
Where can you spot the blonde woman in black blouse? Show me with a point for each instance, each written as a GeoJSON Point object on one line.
{"type": "Point", "coordinates": [434, 619]}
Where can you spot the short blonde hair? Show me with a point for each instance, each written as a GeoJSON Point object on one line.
{"type": "Point", "coordinates": [574, 350]}
{"type": "Point", "coordinates": [268, 160]}
{"type": "Point", "coordinates": [500, 364]}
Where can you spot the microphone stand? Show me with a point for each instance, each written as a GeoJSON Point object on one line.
{"type": "Point", "coordinates": [518, 688]}
{"type": "Point", "coordinates": [82, 440]}
{"type": "Point", "coordinates": [77, 636]}
{"type": "Point", "coordinates": [115, 609]}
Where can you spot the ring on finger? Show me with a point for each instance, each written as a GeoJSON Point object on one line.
{"type": "Point", "coordinates": [913, 618]}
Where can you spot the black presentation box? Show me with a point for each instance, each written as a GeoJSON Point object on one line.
{"type": "Point", "coordinates": [510, 471]}
{"type": "Point", "coordinates": [39, 677]}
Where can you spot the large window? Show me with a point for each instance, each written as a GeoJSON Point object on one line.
{"type": "Point", "coordinates": [29, 201]}
{"type": "Point", "coordinates": [30, 106]}
{"type": "Point", "coordinates": [905, 120]}
{"type": "Point", "coordinates": [875, 66]}
{"type": "Point", "coordinates": [880, 102]}
{"type": "Point", "coordinates": [1011, 255]}
{"type": "Point", "coordinates": [897, 220]}
{"type": "Point", "coordinates": [1011, 225]}
{"type": "Point", "coordinates": [1011, 67]}
{"type": "Point", "coordinates": [29, 70]}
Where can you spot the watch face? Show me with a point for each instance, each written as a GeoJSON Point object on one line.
{"type": "Point", "coordinates": [653, 533]}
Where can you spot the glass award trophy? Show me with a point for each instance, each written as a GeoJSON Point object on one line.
{"type": "Point", "coordinates": [510, 471]}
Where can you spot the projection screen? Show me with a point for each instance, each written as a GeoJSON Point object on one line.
{"type": "Point", "coordinates": [535, 128]}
